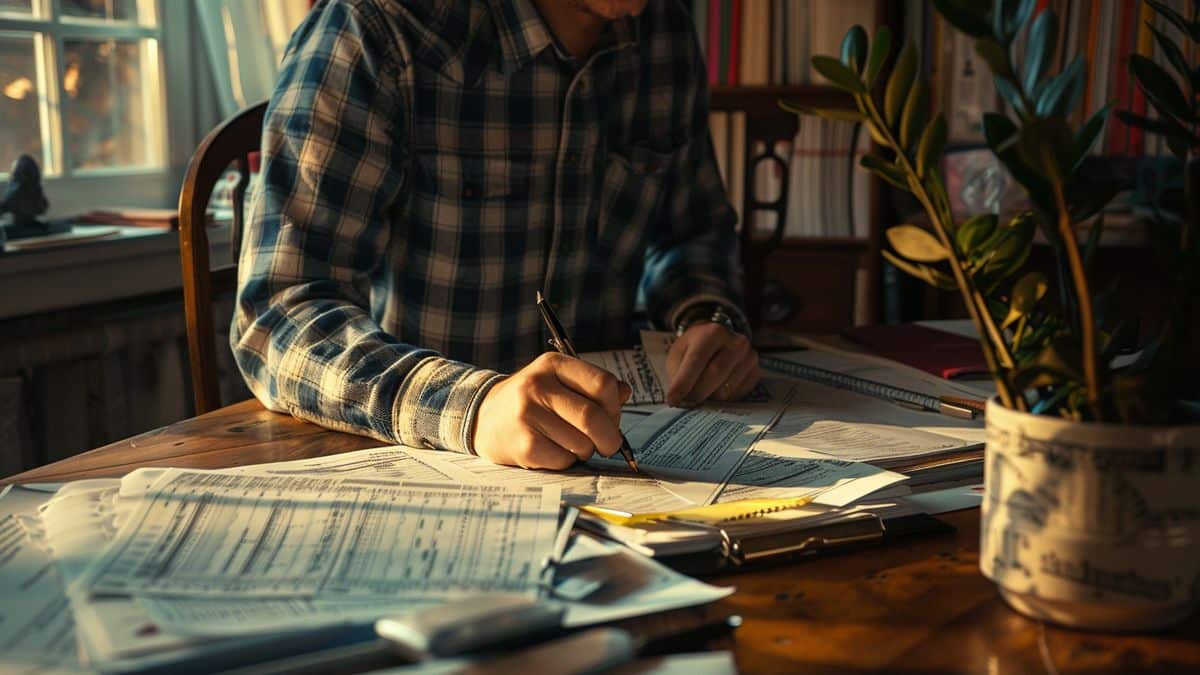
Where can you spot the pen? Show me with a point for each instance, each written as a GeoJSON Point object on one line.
{"type": "Point", "coordinates": [562, 343]}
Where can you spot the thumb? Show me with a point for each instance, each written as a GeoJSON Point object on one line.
{"type": "Point", "coordinates": [625, 393]}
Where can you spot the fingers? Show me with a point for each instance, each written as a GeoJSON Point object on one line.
{"type": "Point", "coordinates": [586, 418]}
{"type": "Point", "coordinates": [594, 383]}
{"type": "Point", "coordinates": [713, 363]}
{"type": "Point", "coordinates": [742, 381]}
{"type": "Point", "coordinates": [697, 347]}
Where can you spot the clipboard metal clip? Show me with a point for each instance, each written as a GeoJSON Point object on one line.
{"type": "Point", "coordinates": [819, 540]}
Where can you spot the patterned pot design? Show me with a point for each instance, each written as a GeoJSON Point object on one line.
{"type": "Point", "coordinates": [1092, 526]}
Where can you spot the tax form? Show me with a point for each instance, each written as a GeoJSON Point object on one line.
{"type": "Point", "coordinates": [632, 367]}
{"type": "Point", "coordinates": [37, 633]}
{"type": "Point", "coordinates": [327, 538]}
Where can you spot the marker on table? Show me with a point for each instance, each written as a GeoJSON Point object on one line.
{"type": "Point", "coordinates": [560, 341]}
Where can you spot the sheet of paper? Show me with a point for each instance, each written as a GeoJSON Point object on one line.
{"type": "Point", "coordinates": [778, 469]}
{"type": "Point", "coordinates": [327, 539]}
{"type": "Point", "coordinates": [395, 462]}
{"type": "Point", "coordinates": [583, 484]}
{"type": "Point", "coordinates": [629, 584]}
{"type": "Point", "coordinates": [596, 581]}
{"type": "Point", "coordinates": [631, 367]}
{"type": "Point", "coordinates": [37, 631]}
{"type": "Point", "coordinates": [855, 427]}
{"type": "Point", "coordinates": [692, 452]}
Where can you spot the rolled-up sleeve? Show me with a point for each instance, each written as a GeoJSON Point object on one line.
{"type": "Point", "coordinates": [333, 172]}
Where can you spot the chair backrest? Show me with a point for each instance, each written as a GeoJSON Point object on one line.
{"type": "Point", "coordinates": [230, 143]}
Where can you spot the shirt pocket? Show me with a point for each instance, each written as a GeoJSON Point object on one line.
{"type": "Point", "coordinates": [631, 198]}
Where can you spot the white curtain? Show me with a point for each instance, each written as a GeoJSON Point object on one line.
{"type": "Point", "coordinates": [244, 64]}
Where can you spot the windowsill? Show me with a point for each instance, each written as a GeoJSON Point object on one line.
{"type": "Point", "coordinates": [137, 261]}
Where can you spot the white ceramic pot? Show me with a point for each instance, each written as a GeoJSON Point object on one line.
{"type": "Point", "coordinates": [1093, 526]}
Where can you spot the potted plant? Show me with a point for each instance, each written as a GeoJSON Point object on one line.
{"type": "Point", "coordinates": [1092, 510]}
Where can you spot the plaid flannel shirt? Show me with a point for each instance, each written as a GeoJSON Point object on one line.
{"type": "Point", "coordinates": [429, 165]}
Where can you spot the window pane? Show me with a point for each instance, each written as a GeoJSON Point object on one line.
{"type": "Point", "coordinates": [16, 6]}
{"type": "Point", "coordinates": [20, 94]}
{"type": "Point", "coordinates": [141, 11]}
{"type": "Point", "coordinates": [111, 96]}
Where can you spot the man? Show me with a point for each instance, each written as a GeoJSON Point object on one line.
{"type": "Point", "coordinates": [429, 165]}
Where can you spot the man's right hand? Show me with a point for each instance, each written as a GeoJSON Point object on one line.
{"type": "Point", "coordinates": [550, 414]}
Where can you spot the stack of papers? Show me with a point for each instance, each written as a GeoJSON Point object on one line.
{"type": "Point", "coordinates": [168, 565]}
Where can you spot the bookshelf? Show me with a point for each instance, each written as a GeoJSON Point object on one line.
{"type": "Point", "coordinates": [802, 283]}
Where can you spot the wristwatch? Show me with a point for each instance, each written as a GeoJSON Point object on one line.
{"type": "Point", "coordinates": [711, 312]}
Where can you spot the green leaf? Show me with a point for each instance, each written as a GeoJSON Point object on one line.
{"type": "Point", "coordinates": [1046, 145]}
{"type": "Point", "coordinates": [994, 55]}
{"type": "Point", "coordinates": [835, 114]}
{"type": "Point", "coordinates": [1002, 136]}
{"type": "Point", "coordinates": [969, 16]}
{"type": "Point", "coordinates": [916, 113]}
{"type": "Point", "coordinates": [1012, 245]}
{"type": "Point", "coordinates": [916, 244]}
{"type": "Point", "coordinates": [929, 275]}
{"type": "Point", "coordinates": [1188, 28]}
{"type": "Point", "coordinates": [974, 231]}
{"type": "Point", "coordinates": [1011, 95]}
{"type": "Point", "coordinates": [933, 142]}
{"type": "Point", "coordinates": [1026, 293]}
{"type": "Point", "coordinates": [899, 83]}
{"type": "Point", "coordinates": [885, 170]}
{"type": "Point", "coordinates": [1160, 87]}
{"type": "Point", "coordinates": [1001, 11]}
{"type": "Point", "coordinates": [1087, 136]}
{"type": "Point", "coordinates": [1024, 11]}
{"type": "Point", "coordinates": [1163, 126]}
{"type": "Point", "coordinates": [881, 47]}
{"type": "Point", "coordinates": [1062, 91]}
{"type": "Point", "coordinates": [839, 74]}
{"type": "Point", "coordinates": [854, 48]}
{"type": "Point", "coordinates": [1039, 50]}
{"type": "Point", "coordinates": [1171, 50]}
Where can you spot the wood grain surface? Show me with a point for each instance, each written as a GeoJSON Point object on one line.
{"type": "Point", "coordinates": [919, 607]}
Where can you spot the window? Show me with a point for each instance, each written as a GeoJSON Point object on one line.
{"type": "Point", "coordinates": [81, 86]}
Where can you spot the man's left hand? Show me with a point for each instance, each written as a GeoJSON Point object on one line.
{"type": "Point", "coordinates": [709, 361]}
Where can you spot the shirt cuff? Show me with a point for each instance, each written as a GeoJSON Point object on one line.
{"type": "Point", "coordinates": [438, 403]}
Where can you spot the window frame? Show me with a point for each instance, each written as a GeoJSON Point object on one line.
{"type": "Point", "coordinates": [174, 99]}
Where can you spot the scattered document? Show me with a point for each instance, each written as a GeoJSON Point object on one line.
{"type": "Point", "coordinates": [581, 484]}
{"type": "Point", "coordinates": [327, 539]}
{"type": "Point", "coordinates": [856, 427]}
{"type": "Point", "coordinates": [627, 584]}
{"type": "Point", "coordinates": [37, 633]}
{"type": "Point", "coordinates": [776, 469]}
{"type": "Point", "coordinates": [631, 367]}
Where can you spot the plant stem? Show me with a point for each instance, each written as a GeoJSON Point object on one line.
{"type": "Point", "coordinates": [1083, 296]}
{"type": "Point", "coordinates": [995, 352]}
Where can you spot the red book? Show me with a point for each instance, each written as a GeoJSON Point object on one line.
{"type": "Point", "coordinates": [713, 48]}
{"type": "Point", "coordinates": [933, 351]}
{"type": "Point", "coordinates": [735, 47]}
{"type": "Point", "coordinates": [1118, 138]}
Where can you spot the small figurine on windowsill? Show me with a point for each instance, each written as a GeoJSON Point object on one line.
{"type": "Point", "coordinates": [24, 199]}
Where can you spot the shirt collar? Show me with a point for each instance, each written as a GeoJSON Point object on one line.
{"type": "Point", "coordinates": [523, 34]}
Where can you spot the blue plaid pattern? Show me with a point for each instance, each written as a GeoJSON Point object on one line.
{"type": "Point", "coordinates": [428, 166]}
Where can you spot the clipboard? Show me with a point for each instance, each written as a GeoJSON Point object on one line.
{"type": "Point", "coordinates": [738, 547]}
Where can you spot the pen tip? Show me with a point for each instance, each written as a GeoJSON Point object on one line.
{"type": "Point", "coordinates": [539, 296]}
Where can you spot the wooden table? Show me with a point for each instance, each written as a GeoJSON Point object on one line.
{"type": "Point", "coordinates": [918, 607]}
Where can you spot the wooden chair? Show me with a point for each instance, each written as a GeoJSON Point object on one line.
{"type": "Point", "coordinates": [230, 143]}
